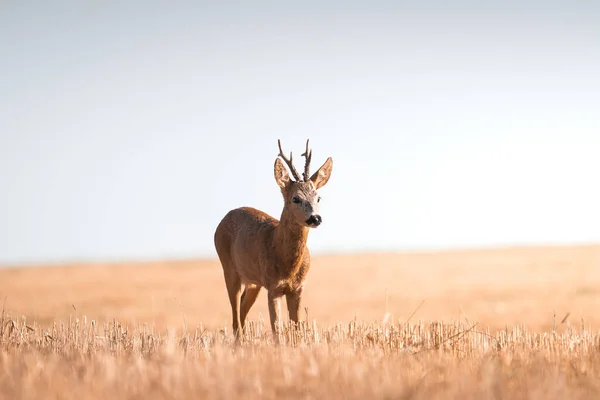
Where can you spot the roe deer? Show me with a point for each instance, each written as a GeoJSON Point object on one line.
{"type": "Point", "coordinates": [256, 250]}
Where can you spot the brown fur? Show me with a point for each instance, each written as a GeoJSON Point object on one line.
{"type": "Point", "coordinates": [257, 250]}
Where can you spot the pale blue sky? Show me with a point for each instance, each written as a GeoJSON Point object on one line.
{"type": "Point", "coordinates": [128, 131]}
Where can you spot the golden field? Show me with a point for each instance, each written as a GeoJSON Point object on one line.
{"type": "Point", "coordinates": [483, 327]}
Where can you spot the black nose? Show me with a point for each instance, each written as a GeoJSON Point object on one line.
{"type": "Point", "coordinates": [314, 220]}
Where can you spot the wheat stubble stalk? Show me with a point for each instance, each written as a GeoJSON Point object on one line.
{"type": "Point", "coordinates": [359, 359]}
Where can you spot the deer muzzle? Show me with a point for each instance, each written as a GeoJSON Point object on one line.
{"type": "Point", "coordinates": [314, 220]}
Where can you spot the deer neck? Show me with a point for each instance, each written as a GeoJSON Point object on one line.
{"type": "Point", "coordinates": [290, 244]}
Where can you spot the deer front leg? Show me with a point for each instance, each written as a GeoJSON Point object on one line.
{"type": "Point", "coordinates": [274, 303]}
{"type": "Point", "coordinates": [293, 300]}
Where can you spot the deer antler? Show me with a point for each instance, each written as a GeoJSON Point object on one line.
{"type": "Point", "coordinates": [288, 162]}
{"type": "Point", "coordinates": [308, 155]}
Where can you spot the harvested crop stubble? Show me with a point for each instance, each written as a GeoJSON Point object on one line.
{"type": "Point", "coordinates": [84, 359]}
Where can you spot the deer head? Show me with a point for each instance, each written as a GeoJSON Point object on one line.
{"type": "Point", "coordinates": [300, 196]}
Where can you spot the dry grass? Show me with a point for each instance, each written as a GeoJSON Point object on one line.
{"type": "Point", "coordinates": [161, 330]}
{"type": "Point", "coordinates": [84, 359]}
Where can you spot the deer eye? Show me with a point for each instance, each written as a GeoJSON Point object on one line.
{"type": "Point", "coordinates": [296, 200]}
{"type": "Point", "coordinates": [318, 199]}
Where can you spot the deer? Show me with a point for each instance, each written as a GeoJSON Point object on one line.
{"type": "Point", "coordinates": [258, 251]}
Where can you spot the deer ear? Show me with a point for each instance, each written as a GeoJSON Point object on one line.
{"type": "Point", "coordinates": [281, 175]}
{"type": "Point", "coordinates": [322, 175]}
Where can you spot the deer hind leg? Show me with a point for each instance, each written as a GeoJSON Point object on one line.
{"type": "Point", "coordinates": [234, 290]}
{"type": "Point", "coordinates": [248, 298]}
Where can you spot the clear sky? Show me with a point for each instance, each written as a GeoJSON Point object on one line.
{"type": "Point", "coordinates": [129, 129]}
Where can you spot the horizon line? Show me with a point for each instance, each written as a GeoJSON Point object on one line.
{"type": "Point", "coordinates": [95, 261]}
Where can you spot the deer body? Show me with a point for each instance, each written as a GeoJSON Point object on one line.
{"type": "Point", "coordinates": [258, 251]}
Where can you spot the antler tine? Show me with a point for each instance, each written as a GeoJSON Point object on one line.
{"type": "Point", "coordinates": [288, 162]}
{"type": "Point", "coordinates": [308, 155]}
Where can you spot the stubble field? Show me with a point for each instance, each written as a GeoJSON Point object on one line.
{"type": "Point", "coordinates": [503, 323]}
